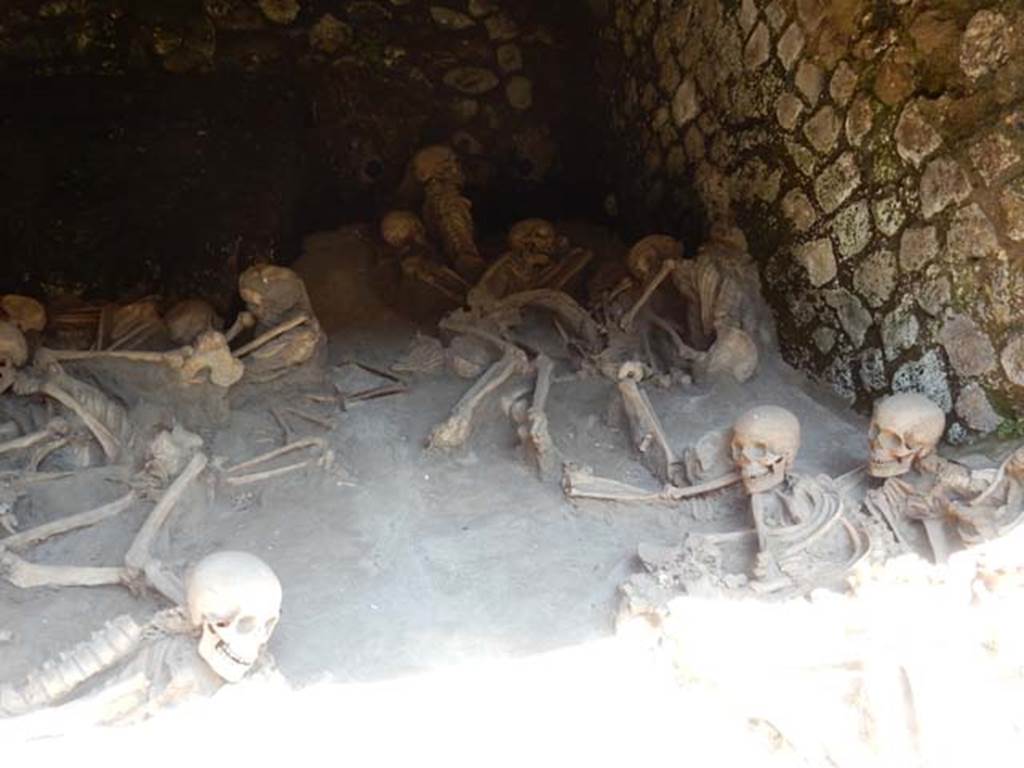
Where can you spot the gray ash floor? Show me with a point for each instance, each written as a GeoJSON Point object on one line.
{"type": "Point", "coordinates": [425, 561]}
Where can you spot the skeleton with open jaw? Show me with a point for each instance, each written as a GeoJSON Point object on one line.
{"type": "Point", "coordinates": [216, 634]}
{"type": "Point", "coordinates": [922, 486]}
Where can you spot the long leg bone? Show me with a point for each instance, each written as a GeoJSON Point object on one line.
{"type": "Point", "coordinates": [648, 436]}
{"type": "Point", "coordinates": [46, 531]}
{"type": "Point", "coordinates": [456, 429]}
{"type": "Point", "coordinates": [238, 475]}
{"type": "Point", "coordinates": [581, 484]}
{"type": "Point", "coordinates": [139, 551]}
{"type": "Point", "coordinates": [540, 448]}
{"type": "Point", "coordinates": [273, 333]}
{"type": "Point", "coordinates": [28, 575]}
{"type": "Point", "coordinates": [561, 304]}
{"type": "Point", "coordinates": [55, 428]}
{"type": "Point", "coordinates": [243, 322]}
{"type": "Point", "coordinates": [652, 285]}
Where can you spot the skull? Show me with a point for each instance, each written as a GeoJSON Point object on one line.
{"type": "Point", "coordinates": [13, 353]}
{"type": "Point", "coordinates": [24, 311]}
{"type": "Point", "coordinates": [646, 255]}
{"type": "Point", "coordinates": [402, 230]}
{"type": "Point", "coordinates": [536, 238]}
{"type": "Point", "coordinates": [272, 293]}
{"type": "Point", "coordinates": [765, 441]}
{"type": "Point", "coordinates": [189, 318]}
{"type": "Point", "coordinates": [437, 163]}
{"type": "Point", "coordinates": [132, 316]}
{"type": "Point", "coordinates": [235, 599]}
{"type": "Point", "coordinates": [904, 428]}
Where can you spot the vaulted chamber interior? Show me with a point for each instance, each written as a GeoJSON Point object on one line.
{"type": "Point", "coordinates": [399, 294]}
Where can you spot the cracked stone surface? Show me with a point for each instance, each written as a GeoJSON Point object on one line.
{"type": "Point", "coordinates": [787, 111]}
{"type": "Point", "coordinates": [927, 377]}
{"type": "Point", "coordinates": [899, 330]}
{"type": "Point", "coordinates": [889, 215]}
{"type": "Point", "coordinates": [875, 277]}
{"type": "Point", "coordinates": [824, 339]}
{"type": "Point", "coordinates": [918, 246]}
{"type": "Point", "coordinates": [935, 295]}
{"type": "Point", "coordinates": [974, 407]}
{"type": "Point", "coordinates": [818, 259]}
{"type": "Point", "coordinates": [915, 137]}
{"type": "Point", "coordinates": [854, 318]}
{"type": "Point", "coordinates": [872, 370]}
{"type": "Point", "coordinates": [799, 210]}
{"type": "Point", "coordinates": [791, 45]}
{"type": "Point", "coordinates": [810, 80]}
{"type": "Point", "coordinates": [993, 156]}
{"type": "Point", "coordinates": [969, 350]}
{"type": "Point", "coordinates": [943, 184]}
{"type": "Point", "coordinates": [822, 129]}
{"type": "Point", "coordinates": [971, 236]}
{"type": "Point", "coordinates": [860, 119]}
{"type": "Point", "coordinates": [852, 228]}
{"type": "Point", "coordinates": [843, 84]}
{"type": "Point", "coordinates": [985, 43]}
{"type": "Point", "coordinates": [837, 182]}
{"type": "Point", "coordinates": [758, 48]}
{"type": "Point", "coordinates": [1012, 358]}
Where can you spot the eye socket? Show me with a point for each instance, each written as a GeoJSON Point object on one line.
{"type": "Point", "coordinates": [890, 440]}
{"type": "Point", "coordinates": [246, 624]}
{"type": "Point", "coordinates": [755, 451]}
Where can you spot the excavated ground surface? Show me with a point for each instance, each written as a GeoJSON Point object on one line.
{"type": "Point", "coordinates": [423, 561]}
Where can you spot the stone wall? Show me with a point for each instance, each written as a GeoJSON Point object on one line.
{"type": "Point", "coordinates": [872, 152]}
{"type": "Point", "coordinates": [153, 144]}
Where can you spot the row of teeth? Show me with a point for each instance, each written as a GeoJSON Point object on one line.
{"type": "Point", "coordinates": [222, 648]}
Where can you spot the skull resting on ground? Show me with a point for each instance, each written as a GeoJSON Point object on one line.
{"type": "Point", "coordinates": [402, 230]}
{"type": "Point", "coordinates": [904, 429]}
{"type": "Point", "coordinates": [646, 256]}
{"type": "Point", "coordinates": [24, 311]}
{"type": "Point", "coordinates": [272, 294]}
{"type": "Point", "coordinates": [437, 163]}
{"type": "Point", "coordinates": [535, 237]}
{"type": "Point", "coordinates": [765, 441]}
{"type": "Point", "coordinates": [235, 599]}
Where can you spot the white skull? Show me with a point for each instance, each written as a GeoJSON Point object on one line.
{"type": "Point", "coordinates": [534, 236]}
{"type": "Point", "coordinates": [24, 311]}
{"type": "Point", "coordinates": [765, 441]}
{"type": "Point", "coordinates": [402, 230]}
{"type": "Point", "coordinates": [437, 163]}
{"type": "Point", "coordinates": [646, 256]}
{"type": "Point", "coordinates": [13, 353]}
{"type": "Point", "coordinates": [904, 428]}
{"type": "Point", "coordinates": [235, 598]}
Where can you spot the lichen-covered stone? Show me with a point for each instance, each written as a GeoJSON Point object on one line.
{"type": "Point", "coordinates": [510, 58]}
{"type": "Point", "coordinates": [926, 376]}
{"type": "Point", "coordinates": [889, 215]}
{"type": "Point", "coordinates": [840, 378]}
{"type": "Point", "coordinates": [969, 350]}
{"type": "Point", "coordinates": [280, 11]}
{"type": "Point", "coordinates": [843, 84]}
{"type": "Point", "coordinates": [1012, 359]}
{"type": "Point", "coordinates": [685, 106]}
{"type": "Point", "coordinates": [791, 45]}
{"type": "Point", "coordinates": [974, 408]}
{"type": "Point", "coordinates": [818, 259]}
{"type": "Point", "coordinates": [899, 330]}
{"type": "Point", "coordinates": [330, 35]}
{"type": "Point", "coordinates": [971, 236]}
{"type": "Point", "coordinates": [824, 339]}
{"type": "Point", "coordinates": [1012, 202]}
{"type": "Point", "coordinates": [943, 183]}
{"type": "Point", "coordinates": [449, 18]}
{"type": "Point", "coordinates": [822, 129]}
{"type": "Point", "coordinates": [787, 110]}
{"type": "Point", "coordinates": [471, 80]}
{"type": "Point", "coordinates": [798, 209]}
{"type": "Point", "coordinates": [875, 277]}
{"type": "Point", "coordinates": [872, 370]}
{"type": "Point", "coordinates": [854, 318]}
{"type": "Point", "coordinates": [918, 246]}
{"type": "Point", "coordinates": [837, 182]}
{"type": "Point", "coordinates": [501, 27]}
{"type": "Point", "coordinates": [519, 92]}
{"type": "Point", "coordinates": [851, 228]}
{"type": "Point", "coordinates": [934, 295]}
{"type": "Point", "coordinates": [993, 156]}
{"type": "Point", "coordinates": [860, 119]}
{"type": "Point", "coordinates": [985, 44]}
{"type": "Point", "coordinates": [915, 137]}
{"type": "Point", "coordinates": [758, 48]}
{"type": "Point", "coordinates": [810, 80]}
{"type": "Point", "coordinates": [804, 159]}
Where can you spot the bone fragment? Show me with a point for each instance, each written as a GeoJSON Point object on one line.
{"type": "Point", "coordinates": [561, 304]}
{"type": "Point", "coordinates": [256, 477]}
{"type": "Point", "coordinates": [243, 322]}
{"type": "Point", "coordinates": [33, 438]}
{"type": "Point", "coordinates": [109, 442]}
{"type": "Point", "coordinates": [26, 575]}
{"type": "Point", "coordinates": [298, 445]}
{"type": "Point", "coordinates": [70, 523]}
{"type": "Point", "coordinates": [581, 484]}
{"type": "Point", "coordinates": [648, 436]}
{"type": "Point", "coordinates": [139, 552]}
{"type": "Point", "coordinates": [273, 333]}
{"type": "Point", "coordinates": [538, 443]}
{"type": "Point", "coordinates": [456, 429]}
{"type": "Point", "coordinates": [652, 285]}
{"type": "Point", "coordinates": [939, 541]}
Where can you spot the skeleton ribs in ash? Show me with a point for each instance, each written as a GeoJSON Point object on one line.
{"type": "Point", "coordinates": [216, 635]}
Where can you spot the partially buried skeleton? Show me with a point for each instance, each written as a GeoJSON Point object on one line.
{"type": "Point", "coordinates": [218, 635]}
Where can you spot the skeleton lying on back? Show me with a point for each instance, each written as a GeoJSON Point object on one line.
{"type": "Point", "coordinates": [219, 635]}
